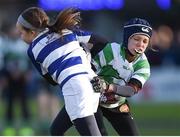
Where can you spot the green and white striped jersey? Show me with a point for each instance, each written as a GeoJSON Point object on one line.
{"type": "Point", "coordinates": [114, 68]}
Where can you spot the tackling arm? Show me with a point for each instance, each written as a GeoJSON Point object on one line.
{"type": "Point", "coordinates": [128, 90]}
{"type": "Point", "coordinates": [132, 87]}
{"type": "Point", "coordinates": [98, 43]}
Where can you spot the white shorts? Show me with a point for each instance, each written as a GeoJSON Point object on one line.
{"type": "Point", "coordinates": [80, 99]}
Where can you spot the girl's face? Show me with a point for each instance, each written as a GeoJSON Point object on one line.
{"type": "Point", "coordinates": [138, 43]}
{"type": "Point", "coordinates": [26, 36]}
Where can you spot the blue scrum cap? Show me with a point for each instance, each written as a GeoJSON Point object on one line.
{"type": "Point", "coordinates": [136, 26]}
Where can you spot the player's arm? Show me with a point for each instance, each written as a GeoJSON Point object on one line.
{"type": "Point", "coordinates": [94, 42]}
{"type": "Point", "coordinates": [42, 72]}
{"type": "Point", "coordinates": [128, 90]}
{"type": "Point", "coordinates": [139, 77]}
{"type": "Point", "coordinates": [49, 79]}
{"type": "Point", "coordinates": [98, 43]}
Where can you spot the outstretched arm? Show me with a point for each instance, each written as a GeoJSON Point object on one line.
{"type": "Point", "coordinates": [128, 90]}
{"type": "Point", "coordinates": [98, 43]}
{"type": "Point", "coordinates": [94, 42]}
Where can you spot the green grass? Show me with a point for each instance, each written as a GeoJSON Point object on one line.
{"type": "Point", "coordinates": [152, 120]}
{"type": "Point", "coordinates": [156, 111]}
{"type": "Point", "coordinates": [158, 119]}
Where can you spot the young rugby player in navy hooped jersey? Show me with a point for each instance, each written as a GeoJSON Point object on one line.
{"type": "Point", "coordinates": [56, 53]}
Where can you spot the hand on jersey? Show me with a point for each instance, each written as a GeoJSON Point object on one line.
{"type": "Point", "coordinates": [99, 84]}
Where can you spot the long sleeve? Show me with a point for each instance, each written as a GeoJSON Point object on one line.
{"type": "Point", "coordinates": [97, 42]}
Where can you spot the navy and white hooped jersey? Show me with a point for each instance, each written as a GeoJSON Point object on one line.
{"type": "Point", "coordinates": [60, 56]}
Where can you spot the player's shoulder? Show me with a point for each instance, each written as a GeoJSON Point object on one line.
{"type": "Point", "coordinates": [114, 44]}
{"type": "Point", "coordinates": [142, 61]}
{"type": "Point", "coordinates": [143, 57]}
{"type": "Point", "coordinates": [80, 32]}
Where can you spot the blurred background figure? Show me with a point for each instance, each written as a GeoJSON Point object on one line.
{"type": "Point", "coordinates": [19, 85]}
{"type": "Point", "coordinates": [156, 108]}
{"type": "Point", "coordinates": [14, 75]}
